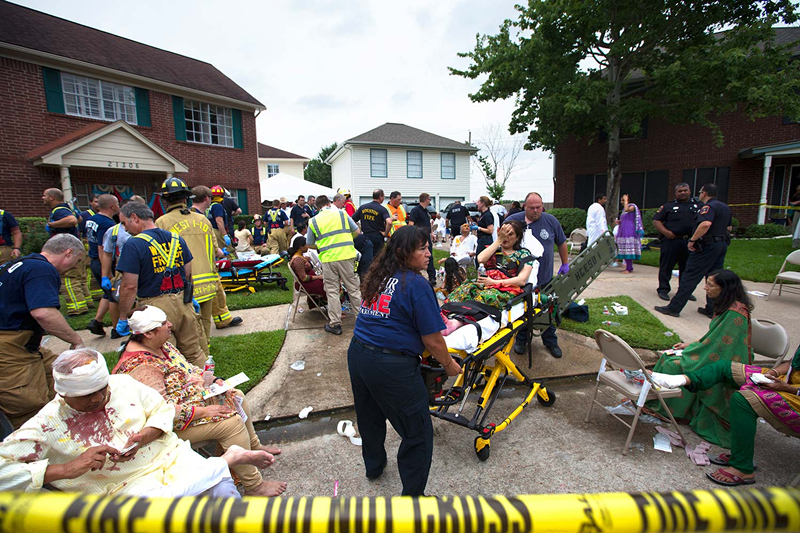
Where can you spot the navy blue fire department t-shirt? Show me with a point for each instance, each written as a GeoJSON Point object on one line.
{"type": "Point", "coordinates": [139, 257]}
{"type": "Point", "coordinates": [96, 228]}
{"type": "Point", "coordinates": [9, 223]}
{"type": "Point", "coordinates": [30, 284]}
{"type": "Point", "coordinates": [62, 211]}
{"type": "Point", "coordinates": [404, 312]}
{"type": "Point", "coordinates": [214, 211]}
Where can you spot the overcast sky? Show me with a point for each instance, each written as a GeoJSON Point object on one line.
{"type": "Point", "coordinates": [330, 70]}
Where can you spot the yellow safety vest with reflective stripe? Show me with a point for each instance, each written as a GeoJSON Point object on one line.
{"type": "Point", "coordinates": [196, 230]}
{"type": "Point", "coordinates": [401, 217]}
{"type": "Point", "coordinates": [333, 237]}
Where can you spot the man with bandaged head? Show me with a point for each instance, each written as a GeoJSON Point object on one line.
{"type": "Point", "coordinates": [111, 435]}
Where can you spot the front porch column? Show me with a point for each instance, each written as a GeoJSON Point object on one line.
{"type": "Point", "coordinates": [66, 184]}
{"type": "Point", "coordinates": [762, 209]}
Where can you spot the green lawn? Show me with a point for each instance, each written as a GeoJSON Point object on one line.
{"type": "Point", "coordinates": [753, 260]}
{"type": "Point", "coordinates": [639, 327]}
{"type": "Point", "coordinates": [266, 295]}
{"type": "Point", "coordinates": [252, 353]}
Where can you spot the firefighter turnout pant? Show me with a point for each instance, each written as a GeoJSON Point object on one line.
{"type": "Point", "coordinates": [72, 283]}
{"type": "Point", "coordinates": [219, 309]}
{"type": "Point", "coordinates": [5, 254]}
{"type": "Point", "coordinates": [26, 379]}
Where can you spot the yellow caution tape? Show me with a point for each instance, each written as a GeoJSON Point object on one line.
{"type": "Point", "coordinates": [764, 509]}
{"type": "Point", "coordinates": [783, 207]}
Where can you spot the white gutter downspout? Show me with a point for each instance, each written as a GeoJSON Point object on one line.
{"type": "Point", "coordinates": [762, 209]}
{"type": "Point", "coordinates": [66, 184]}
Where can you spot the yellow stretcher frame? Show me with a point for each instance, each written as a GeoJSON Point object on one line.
{"type": "Point", "coordinates": [236, 282]}
{"type": "Point", "coordinates": [496, 375]}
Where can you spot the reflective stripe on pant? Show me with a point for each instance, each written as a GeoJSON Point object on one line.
{"type": "Point", "coordinates": [227, 433]}
{"type": "Point", "coordinates": [185, 327]}
{"type": "Point", "coordinates": [26, 379]}
{"type": "Point", "coordinates": [334, 275]}
{"type": "Point", "coordinates": [743, 417]}
{"type": "Point", "coordinates": [72, 291]}
{"type": "Point", "coordinates": [219, 308]}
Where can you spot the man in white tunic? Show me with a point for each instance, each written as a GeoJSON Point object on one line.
{"type": "Point", "coordinates": [596, 223]}
{"type": "Point", "coordinates": [111, 435]}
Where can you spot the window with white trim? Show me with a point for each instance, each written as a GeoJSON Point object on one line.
{"type": "Point", "coordinates": [448, 166]}
{"type": "Point", "coordinates": [208, 123]}
{"type": "Point", "coordinates": [272, 169]}
{"type": "Point", "coordinates": [377, 163]}
{"type": "Point", "coordinates": [414, 164]}
{"type": "Point", "coordinates": [91, 98]}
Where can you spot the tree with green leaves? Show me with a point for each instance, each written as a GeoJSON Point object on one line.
{"type": "Point", "coordinates": [577, 67]}
{"type": "Point", "coordinates": [317, 170]}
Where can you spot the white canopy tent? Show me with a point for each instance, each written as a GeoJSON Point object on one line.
{"type": "Point", "coordinates": [285, 186]}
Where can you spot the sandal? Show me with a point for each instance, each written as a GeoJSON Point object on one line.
{"type": "Point", "coordinates": [735, 480]}
{"type": "Point", "coordinates": [724, 459]}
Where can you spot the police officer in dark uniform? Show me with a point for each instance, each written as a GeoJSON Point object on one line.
{"type": "Point", "coordinates": [675, 221]}
{"type": "Point", "coordinates": [707, 246]}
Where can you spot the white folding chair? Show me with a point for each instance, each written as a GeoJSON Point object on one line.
{"type": "Point", "coordinates": [769, 339]}
{"type": "Point", "coordinates": [577, 238]}
{"type": "Point", "coordinates": [787, 275]}
{"type": "Point", "coordinates": [619, 355]}
{"type": "Point", "coordinates": [299, 291]}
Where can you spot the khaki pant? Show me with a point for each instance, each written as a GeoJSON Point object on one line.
{"type": "Point", "coordinates": [278, 240]}
{"type": "Point", "coordinates": [185, 328]}
{"type": "Point", "coordinates": [335, 274]}
{"type": "Point", "coordinates": [91, 286]}
{"type": "Point", "coordinates": [227, 433]}
{"type": "Point", "coordinates": [261, 249]}
{"type": "Point", "coordinates": [26, 379]}
{"type": "Point", "coordinates": [219, 309]}
{"type": "Point", "coordinates": [205, 320]}
{"type": "Point", "coordinates": [72, 283]}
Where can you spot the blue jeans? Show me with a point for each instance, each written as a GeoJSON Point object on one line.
{"type": "Point", "coordinates": [390, 387]}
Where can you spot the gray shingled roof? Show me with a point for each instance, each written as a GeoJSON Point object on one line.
{"type": "Point", "coordinates": [34, 30]}
{"type": "Point", "coordinates": [271, 152]}
{"type": "Point", "coordinates": [394, 134]}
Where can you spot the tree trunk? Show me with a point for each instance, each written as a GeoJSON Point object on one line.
{"type": "Point", "coordinates": [613, 169]}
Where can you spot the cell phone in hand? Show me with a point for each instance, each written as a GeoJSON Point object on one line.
{"type": "Point", "coordinates": [126, 449]}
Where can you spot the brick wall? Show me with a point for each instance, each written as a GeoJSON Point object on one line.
{"type": "Point", "coordinates": [26, 124]}
{"type": "Point", "coordinates": [677, 147]}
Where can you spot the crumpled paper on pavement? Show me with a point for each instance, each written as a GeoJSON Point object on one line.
{"type": "Point", "coordinates": [346, 429]}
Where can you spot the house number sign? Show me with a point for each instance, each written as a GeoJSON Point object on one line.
{"type": "Point", "coordinates": [122, 164]}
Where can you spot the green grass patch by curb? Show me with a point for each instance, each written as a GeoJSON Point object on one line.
{"type": "Point", "coordinates": [639, 328]}
{"type": "Point", "coordinates": [752, 259]}
{"type": "Point", "coordinates": [251, 353]}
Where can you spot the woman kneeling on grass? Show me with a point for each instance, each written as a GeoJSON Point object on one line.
{"type": "Point", "coordinates": [727, 340]}
{"type": "Point", "coordinates": [151, 360]}
{"type": "Point", "coordinates": [776, 401]}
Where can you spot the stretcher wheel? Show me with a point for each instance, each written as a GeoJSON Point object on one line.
{"type": "Point", "coordinates": [551, 399]}
{"type": "Point", "coordinates": [481, 449]}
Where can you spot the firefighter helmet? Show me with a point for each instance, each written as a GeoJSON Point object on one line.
{"type": "Point", "coordinates": [173, 187]}
{"type": "Point", "coordinates": [217, 190]}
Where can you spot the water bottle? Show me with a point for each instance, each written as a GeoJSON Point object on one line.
{"type": "Point", "coordinates": [481, 269]}
{"type": "Point", "coordinates": [610, 323]}
{"type": "Point", "coordinates": [208, 371]}
{"type": "Point", "coordinates": [605, 310]}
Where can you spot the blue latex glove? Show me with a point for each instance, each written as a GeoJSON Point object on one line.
{"type": "Point", "coordinates": [227, 239]}
{"type": "Point", "coordinates": [122, 327]}
{"type": "Point", "coordinates": [564, 269]}
{"type": "Point", "coordinates": [105, 283]}
{"type": "Point", "coordinates": [226, 252]}
{"type": "Point", "coordinates": [47, 228]}
{"type": "Point", "coordinates": [473, 227]}
{"type": "Point", "coordinates": [196, 306]}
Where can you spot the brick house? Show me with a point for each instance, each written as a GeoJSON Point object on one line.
{"type": "Point", "coordinates": [87, 111]}
{"type": "Point", "coordinates": [758, 163]}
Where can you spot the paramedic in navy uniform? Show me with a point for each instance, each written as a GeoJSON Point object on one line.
{"type": "Point", "coordinates": [399, 318]}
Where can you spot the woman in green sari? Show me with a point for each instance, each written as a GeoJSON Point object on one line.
{"type": "Point", "coordinates": [728, 339]}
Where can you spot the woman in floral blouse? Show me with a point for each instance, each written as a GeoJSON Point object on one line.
{"type": "Point", "coordinates": [508, 267]}
{"type": "Point", "coordinates": [151, 360]}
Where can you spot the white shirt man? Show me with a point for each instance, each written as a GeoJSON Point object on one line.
{"type": "Point", "coordinates": [463, 248]}
{"type": "Point", "coordinates": [596, 223]}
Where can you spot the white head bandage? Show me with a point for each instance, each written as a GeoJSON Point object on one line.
{"type": "Point", "coordinates": [146, 320]}
{"type": "Point", "coordinates": [83, 380]}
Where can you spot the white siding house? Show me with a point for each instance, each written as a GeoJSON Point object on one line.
{"type": "Point", "coordinates": [273, 161]}
{"type": "Point", "coordinates": [396, 157]}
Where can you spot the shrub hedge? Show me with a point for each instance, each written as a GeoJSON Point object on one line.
{"type": "Point", "coordinates": [33, 234]}
{"type": "Point", "coordinates": [766, 231]}
{"type": "Point", "coordinates": [569, 217]}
